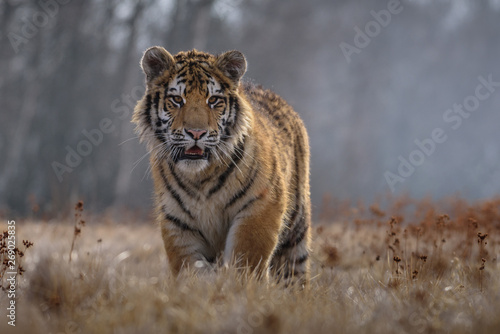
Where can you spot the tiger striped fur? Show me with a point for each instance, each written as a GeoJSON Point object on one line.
{"type": "Point", "coordinates": [230, 164]}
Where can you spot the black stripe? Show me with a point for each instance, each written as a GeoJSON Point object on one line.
{"type": "Point", "coordinates": [294, 214]}
{"type": "Point", "coordinates": [176, 153]}
{"type": "Point", "coordinates": [156, 105]}
{"type": "Point", "coordinates": [293, 273]}
{"type": "Point", "coordinates": [302, 233]}
{"type": "Point", "coordinates": [179, 223]}
{"type": "Point", "coordinates": [183, 226]}
{"type": "Point", "coordinates": [231, 101]}
{"type": "Point", "coordinates": [203, 181]}
{"type": "Point", "coordinates": [287, 232]}
{"type": "Point", "coordinates": [182, 71]}
{"type": "Point", "coordinates": [181, 185]}
{"type": "Point", "coordinates": [225, 104]}
{"type": "Point", "coordinates": [250, 202]}
{"type": "Point", "coordinates": [223, 84]}
{"type": "Point", "coordinates": [201, 78]}
{"type": "Point", "coordinates": [206, 72]}
{"type": "Point", "coordinates": [236, 110]}
{"type": "Point", "coordinates": [236, 157]}
{"type": "Point", "coordinates": [297, 181]}
{"type": "Point", "coordinates": [174, 194]}
{"type": "Point", "coordinates": [302, 259]}
{"type": "Point", "coordinates": [296, 237]}
{"type": "Point", "coordinates": [148, 110]}
{"type": "Point", "coordinates": [159, 135]}
{"type": "Point", "coordinates": [227, 132]}
{"type": "Point", "coordinates": [245, 189]}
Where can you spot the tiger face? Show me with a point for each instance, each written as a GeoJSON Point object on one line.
{"type": "Point", "coordinates": [194, 119]}
{"type": "Point", "coordinates": [192, 110]}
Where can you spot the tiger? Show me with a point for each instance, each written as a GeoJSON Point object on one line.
{"type": "Point", "coordinates": [230, 166]}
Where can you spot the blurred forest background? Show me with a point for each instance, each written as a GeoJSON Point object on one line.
{"type": "Point", "coordinates": [67, 65]}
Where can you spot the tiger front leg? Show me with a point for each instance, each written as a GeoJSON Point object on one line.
{"type": "Point", "coordinates": [252, 239]}
{"type": "Point", "coordinates": [185, 247]}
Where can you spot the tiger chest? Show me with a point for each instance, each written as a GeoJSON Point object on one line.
{"type": "Point", "coordinates": [212, 219]}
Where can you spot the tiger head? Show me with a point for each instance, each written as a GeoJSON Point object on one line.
{"type": "Point", "coordinates": [192, 113]}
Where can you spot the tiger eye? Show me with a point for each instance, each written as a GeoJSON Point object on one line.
{"type": "Point", "coordinates": [177, 99]}
{"type": "Point", "coordinates": [212, 99]}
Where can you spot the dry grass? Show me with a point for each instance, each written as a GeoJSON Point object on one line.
{"type": "Point", "coordinates": [412, 267]}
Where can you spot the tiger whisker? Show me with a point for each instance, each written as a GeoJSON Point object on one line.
{"type": "Point", "coordinates": [136, 163]}
{"type": "Point", "coordinates": [236, 149]}
{"type": "Point", "coordinates": [136, 137]}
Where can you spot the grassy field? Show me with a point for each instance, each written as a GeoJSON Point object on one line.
{"type": "Point", "coordinates": [404, 267]}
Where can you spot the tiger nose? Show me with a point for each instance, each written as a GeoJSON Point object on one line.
{"type": "Point", "coordinates": [196, 134]}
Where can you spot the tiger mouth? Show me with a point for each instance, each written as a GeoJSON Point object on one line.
{"type": "Point", "coordinates": [194, 153]}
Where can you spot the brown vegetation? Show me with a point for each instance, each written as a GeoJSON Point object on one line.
{"type": "Point", "coordinates": [409, 266]}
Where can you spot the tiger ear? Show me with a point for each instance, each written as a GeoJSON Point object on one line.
{"type": "Point", "coordinates": [233, 64]}
{"type": "Point", "coordinates": [155, 61]}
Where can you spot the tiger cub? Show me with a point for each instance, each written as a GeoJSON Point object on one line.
{"type": "Point", "coordinates": [230, 164]}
